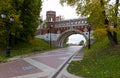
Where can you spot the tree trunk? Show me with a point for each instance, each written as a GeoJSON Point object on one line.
{"type": "Point", "coordinates": [111, 38]}
{"type": "Point", "coordinates": [115, 24]}
{"type": "Point", "coordinates": [15, 39]}
{"type": "Point", "coordinates": [115, 35]}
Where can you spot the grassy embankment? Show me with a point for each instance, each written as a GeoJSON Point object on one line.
{"type": "Point", "coordinates": [35, 46]}
{"type": "Point", "coordinates": [101, 61]}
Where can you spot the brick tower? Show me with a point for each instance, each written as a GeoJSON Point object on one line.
{"type": "Point", "coordinates": [50, 19]}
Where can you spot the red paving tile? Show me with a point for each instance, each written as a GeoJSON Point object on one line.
{"type": "Point", "coordinates": [17, 68]}
{"type": "Point", "coordinates": [52, 61]}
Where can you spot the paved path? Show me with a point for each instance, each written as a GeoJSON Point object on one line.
{"type": "Point", "coordinates": [43, 65]}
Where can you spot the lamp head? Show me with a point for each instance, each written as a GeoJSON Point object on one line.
{"type": "Point", "coordinates": [11, 19]}
{"type": "Point", "coordinates": [3, 16]}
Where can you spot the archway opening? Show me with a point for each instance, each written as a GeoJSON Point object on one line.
{"type": "Point", "coordinates": [76, 39]}
{"type": "Point", "coordinates": [62, 38]}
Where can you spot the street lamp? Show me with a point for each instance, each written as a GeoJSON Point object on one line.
{"type": "Point", "coordinates": [89, 29]}
{"type": "Point", "coordinates": [11, 19]}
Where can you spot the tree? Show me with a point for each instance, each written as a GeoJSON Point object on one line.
{"type": "Point", "coordinates": [17, 26]}
{"type": "Point", "coordinates": [100, 13]}
{"type": "Point", "coordinates": [10, 8]}
{"type": "Point", "coordinates": [29, 16]}
{"type": "Point", "coordinates": [25, 13]}
{"type": "Point", "coordinates": [5, 7]}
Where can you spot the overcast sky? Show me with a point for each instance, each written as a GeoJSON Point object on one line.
{"type": "Point", "coordinates": [75, 39]}
{"type": "Point", "coordinates": [66, 11]}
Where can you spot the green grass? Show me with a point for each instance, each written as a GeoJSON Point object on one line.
{"type": "Point", "coordinates": [35, 46]}
{"type": "Point", "coordinates": [101, 61]}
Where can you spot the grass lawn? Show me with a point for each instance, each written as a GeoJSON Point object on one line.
{"type": "Point", "coordinates": [35, 46]}
{"type": "Point", "coordinates": [101, 61]}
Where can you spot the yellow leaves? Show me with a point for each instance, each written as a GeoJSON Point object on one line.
{"type": "Point", "coordinates": [2, 32]}
{"type": "Point", "coordinates": [112, 29]}
{"type": "Point", "coordinates": [99, 33]}
{"type": "Point", "coordinates": [5, 4]}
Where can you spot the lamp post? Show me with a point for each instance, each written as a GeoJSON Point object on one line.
{"type": "Point", "coordinates": [89, 29]}
{"type": "Point", "coordinates": [50, 36]}
{"type": "Point", "coordinates": [11, 19]}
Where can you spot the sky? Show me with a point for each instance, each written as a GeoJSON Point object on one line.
{"type": "Point", "coordinates": [75, 39]}
{"type": "Point", "coordinates": [66, 11]}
